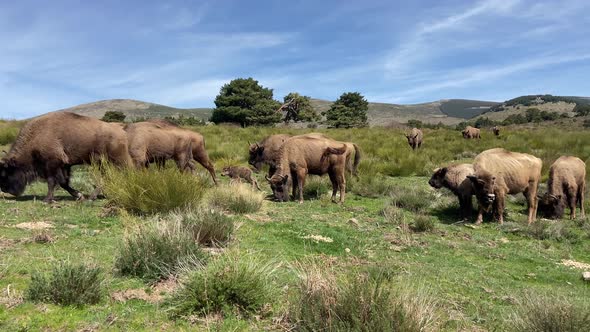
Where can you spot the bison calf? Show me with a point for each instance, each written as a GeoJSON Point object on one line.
{"type": "Point", "coordinates": [455, 179]}
{"type": "Point", "coordinates": [240, 172]}
{"type": "Point", "coordinates": [566, 185]}
{"type": "Point", "coordinates": [471, 132]}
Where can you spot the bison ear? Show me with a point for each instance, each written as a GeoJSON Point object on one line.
{"type": "Point", "coordinates": [260, 149]}
{"type": "Point", "coordinates": [472, 178]}
{"type": "Point", "coordinates": [285, 178]}
{"type": "Point", "coordinates": [443, 171]}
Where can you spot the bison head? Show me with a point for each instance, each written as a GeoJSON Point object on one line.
{"type": "Point", "coordinates": [225, 171]}
{"type": "Point", "coordinates": [552, 206]}
{"type": "Point", "coordinates": [279, 186]}
{"type": "Point", "coordinates": [256, 159]}
{"type": "Point", "coordinates": [438, 178]}
{"type": "Point", "coordinates": [484, 184]}
{"type": "Point", "coordinates": [412, 139]}
{"type": "Point", "coordinates": [13, 180]}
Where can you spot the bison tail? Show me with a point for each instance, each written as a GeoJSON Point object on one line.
{"type": "Point", "coordinates": [336, 151]}
{"type": "Point", "coordinates": [357, 159]}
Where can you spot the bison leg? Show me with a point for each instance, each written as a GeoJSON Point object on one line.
{"type": "Point", "coordinates": [465, 206]}
{"type": "Point", "coordinates": [500, 207]}
{"type": "Point", "coordinates": [301, 174]}
{"type": "Point", "coordinates": [532, 200]}
{"type": "Point", "coordinates": [581, 193]}
{"type": "Point", "coordinates": [50, 189]}
{"type": "Point", "coordinates": [572, 200]}
{"type": "Point", "coordinates": [254, 183]}
{"type": "Point", "coordinates": [334, 185]}
{"type": "Point", "coordinates": [64, 181]}
{"type": "Point", "coordinates": [342, 186]}
{"type": "Point", "coordinates": [202, 158]}
{"type": "Point", "coordinates": [480, 211]}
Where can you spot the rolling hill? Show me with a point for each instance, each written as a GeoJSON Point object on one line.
{"type": "Point", "coordinates": [548, 103]}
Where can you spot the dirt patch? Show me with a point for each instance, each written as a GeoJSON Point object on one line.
{"type": "Point", "coordinates": [34, 225]}
{"type": "Point", "coordinates": [574, 264]}
{"type": "Point", "coordinates": [10, 298]}
{"type": "Point", "coordinates": [258, 218]}
{"type": "Point", "coordinates": [7, 243]}
{"type": "Point", "coordinates": [154, 295]}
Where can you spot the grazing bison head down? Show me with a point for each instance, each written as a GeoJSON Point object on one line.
{"type": "Point", "coordinates": [280, 189]}
{"type": "Point", "coordinates": [256, 158]}
{"type": "Point", "coordinates": [13, 180]}
{"type": "Point", "coordinates": [412, 139]}
{"type": "Point", "coordinates": [552, 206]}
{"type": "Point", "coordinates": [483, 183]}
{"type": "Point", "coordinates": [437, 180]}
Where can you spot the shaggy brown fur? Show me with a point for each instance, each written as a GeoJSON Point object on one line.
{"type": "Point", "coordinates": [49, 145]}
{"type": "Point", "coordinates": [496, 130]}
{"type": "Point", "coordinates": [566, 185]}
{"type": "Point", "coordinates": [174, 151]}
{"type": "Point", "coordinates": [300, 156]}
{"type": "Point", "coordinates": [240, 172]}
{"type": "Point", "coordinates": [454, 178]}
{"type": "Point", "coordinates": [415, 138]}
{"type": "Point", "coordinates": [471, 132]}
{"type": "Point", "coordinates": [499, 172]}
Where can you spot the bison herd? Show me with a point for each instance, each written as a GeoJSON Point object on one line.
{"type": "Point", "coordinates": [49, 145]}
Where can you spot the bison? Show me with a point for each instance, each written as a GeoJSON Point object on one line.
{"type": "Point", "coordinates": [499, 172]}
{"type": "Point", "coordinates": [158, 140]}
{"type": "Point", "coordinates": [49, 145]}
{"type": "Point", "coordinates": [471, 132]}
{"type": "Point", "coordinates": [455, 178]}
{"type": "Point", "coordinates": [267, 152]}
{"type": "Point", "coordinates": [496, 131]}
{"type": "Point", "coordinates": [415, 138]}
{"type": "Point", "coordinates": [566, 185]}
{"type": "Point", "coordinates": [240, 172]}
{"type": "Point", "coordinates": [300, 156]}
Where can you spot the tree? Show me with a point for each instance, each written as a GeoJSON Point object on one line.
{"type": "Point", "coordinates": [246, 102]}
{"type": "Point", "coordinates": [113, 116]}
{"type": "Point", "coordinates": [350, 110]}
{"type": "Point", "coordinates": [298, 108]}
{"type": "Point", "coordinates": [582, 110]}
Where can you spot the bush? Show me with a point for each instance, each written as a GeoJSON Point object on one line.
{"type": "Point", "coordinates": [157, 250]}
{"type": "Point", "coordinates": [235, 198]}
{"type": "Point", "coordinates": [67, 284]}
{"type": "Point", "coordinates": [9, 131]}
{"type": "Point", "coordinates": [208, 227]}
{"type": "Point", "coordinates": [230, 284]}
{"type": "Point", "coordinates": [543, 229]}
{"type": "Point", "coordinates": [114, 116]}
{"type": "Point", "coordinates": [551, 313]}
{"type": "Point", "coordinates": [413, 199]}
{"type": "Point", "coordinates": [315, 187]}
{"type": "Point", "coordinates": [423, 223]}
{"type": "Point", "coordinates": [370, 186]}
{"type": "Point", "coordinates": [363, 302]}
{"type": "Point", "coordinates": [146, 191]}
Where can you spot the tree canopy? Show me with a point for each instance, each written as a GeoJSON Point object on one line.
{"type": "Point", "coordinates": [113, 116]}
{"type": "Point", "coordinates": [246, 102]}
{"type": "Point", "coordinates": [350, 110]}
{"type": "Point", "coordinates": [298, 108]}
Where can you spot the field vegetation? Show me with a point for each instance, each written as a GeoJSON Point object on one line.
{"type": "Point", "coordinates": [169, 251]}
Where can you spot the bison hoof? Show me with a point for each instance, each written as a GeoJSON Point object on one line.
{"type": "Point", "coordinates": [80, 197]}
{"type": "Point", "coordinates": [300, 202]}
{"type": "Point", "coordinates": [48, 201]}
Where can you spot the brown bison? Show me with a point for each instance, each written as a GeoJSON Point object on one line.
{"type": "Point", "coordinates": [471, 133]}
{"type": "Point", "coordinates": [499, 172]}
{"type": "Point", "coordinates": [566, 185]}
{"type": "Point", "coordinates": [454, 178]}
{"type": "Point", "coordinates": [415, 138]}
{"type": "Point", "coordinates": [300, 156]}
{"type": "Point", "coordinates": [496, 130]}
{"type": "Point", "coordinates": [240, 172]}
{"type": "Point", "coordinates": [267, 152]}
{"type": "Point", "coordinates": [49, 145]}
{"type": "Point", "coordinates": [158, 140]}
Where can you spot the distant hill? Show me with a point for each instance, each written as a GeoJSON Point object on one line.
{"type": "Point", "coordinates": [548, 103]}
{"type": "Point", "coordinates": [137, 109]}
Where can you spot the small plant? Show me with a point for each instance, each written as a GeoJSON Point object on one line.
{"type": "Point", "coordinates": [393, 214]}
{"type": "Point", "coordinates": [236, 198]}
{"type": "Point", "coordinates": [423, 223]}
{"type": "Point", "coordinates": [315, 187]}
{"type": "Point", "coordinates": [544, 229]}
{"type": "Point", "coordinates": [539, 313]}
{"type": "Point", "coordinates": [370, 185]}
{"type": "Point", "coordinates": [230, 284]}
{"type": "Point", "coordinates": [67, 284]}
{"type": "Point", "coordinates": [157, 250]}
{"type": "Point", "coordinates": [147, 191]}
{"type": "Point", "coordinates": [42, 236]}
{"type": "Point", "coordinates": [208, 227]}
{"type": "Point", "coordinates": [415, 200]}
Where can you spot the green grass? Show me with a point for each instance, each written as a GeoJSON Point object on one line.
{"type": "Point", "coordinates": [239, 198]}
{"type": "Point", "coordinates": [476, 274]}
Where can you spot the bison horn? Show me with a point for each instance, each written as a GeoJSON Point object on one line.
{"type": "Point", "coordinates": [267, 178]}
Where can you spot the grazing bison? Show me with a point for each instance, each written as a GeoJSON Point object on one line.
{"type": "Point", "coordinates": [300, 156]}
{"type": "Point", "coordinates": [454, 178]}
{"type": "Point", "coordinates": [471, 133]}
{"type": "Point", "coordinates": [415, 138]}
{"type": "Point", "coordinates": [566, 185]}
{"type": "Point", "coordinates": [496, 130]}
{"type": "Point", "coordinates": [499, 172]}
{"type": "Point", "coordinates": [49, 145]}
{"type": "Point", "coordinates": [267, 152]}
{"type": "Point", "coordinates": [240, 172]}
{"type": "Point", "coordinates": [162, 140]}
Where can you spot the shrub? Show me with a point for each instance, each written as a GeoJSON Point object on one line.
{"type": "Point", "coordinates": [393, 214]}
{"type": "Point", "coordinates": [235, 198]}
{"type": "Point", "coordinates": [151, 190]}
{"type": "Point", "coordinates": [363, 302]}
{"type": "Point", "coordinates": [370, 186]}
{"type": "Point", "coordinates": [230, 284]}
{"type": "Point", "coordinates": [157, 250]}
{"type": "Point", "coordinates": [67, 284]}
{"type": "Point", "coordinates": [208, 227]}
{"type": "Point", "coordinates": [413, 199]}
{"type": "Point", "coordinates": [544, 229]}
{"type": "Point", "coordinates": [423, 223]}
{"type": "Point", "coordinates": [551, 313]}
{"type": "Point", "coordinates": [315, 187]}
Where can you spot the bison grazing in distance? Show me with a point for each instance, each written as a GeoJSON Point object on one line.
{"type": "Point", "coordinates": [455, 178]}
{"type": "Point", "coordinates": [566, 186]}
{"type": "Point", "coordinates": [499, 172]}
{"type": "Point", "coordinates": [49, 145]}
{"type": "Point", "coordinates": [496, 131]}
{"type": "Point", "coordinates": [240, 172]}
{"type": "Point", "coordinates": [300, 156]}
{"type": "Point", "coordinates": [415, 138]}
{"type": "Point", "coordinates": [471, 133]}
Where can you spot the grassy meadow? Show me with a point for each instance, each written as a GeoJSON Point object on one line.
{"type": "Point", "coordinates": [395, 256]}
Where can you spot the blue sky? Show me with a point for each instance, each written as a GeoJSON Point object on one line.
{"type": "Point", "coordinates": [56, 54]}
